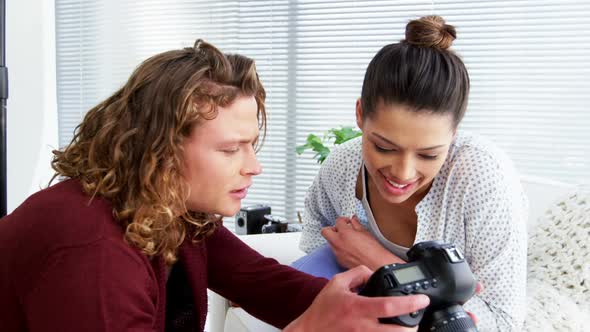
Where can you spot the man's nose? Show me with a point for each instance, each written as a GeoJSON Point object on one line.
{"type": "Point", "coordinates": [251, 165]}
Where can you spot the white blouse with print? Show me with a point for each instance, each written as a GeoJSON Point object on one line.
{"type": "Point", "coordinates": [476, 202]}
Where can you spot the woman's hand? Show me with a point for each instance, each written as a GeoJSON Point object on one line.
{"type": "Point", "coordinates": [353, 245]}
{"type": "Point", "coordinates": [338, 308]}
{"type": "Point", "coordinates": [478, 289]}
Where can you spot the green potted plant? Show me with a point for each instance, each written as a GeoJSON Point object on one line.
{"type": "Point", "coordinates": [319, 144]}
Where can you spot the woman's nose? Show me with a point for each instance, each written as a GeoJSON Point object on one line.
{"type": "Point", "coordinates": [404, 168]}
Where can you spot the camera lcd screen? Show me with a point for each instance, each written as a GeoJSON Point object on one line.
{"type": "Point", "coordinates": [409, 274]}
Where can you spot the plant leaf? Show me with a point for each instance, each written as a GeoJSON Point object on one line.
{"type": "Point", "coordinates": [311, 141]}
{"type": "Point", "coordinates": [344, 134]}
{"type": "Point", "coordinates": [323, 154]}
{"type": "Point", "coordinates": [301, 148]}
{"type": "Point", "coordinates": [318, 145]}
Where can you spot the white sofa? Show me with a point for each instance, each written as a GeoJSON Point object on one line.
{"type": "Point", "coordinates": [542, 194]}
{"type": "Point", "coordinates": [284, 247]}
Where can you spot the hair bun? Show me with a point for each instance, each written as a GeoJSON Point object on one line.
{"type": "Point", "coordinates": [430, 31]}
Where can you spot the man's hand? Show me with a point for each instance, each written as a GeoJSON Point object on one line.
{"type": "Point", "coordinates": [339, 308]}
{"type": "Point", "coordinates": [353, 245]}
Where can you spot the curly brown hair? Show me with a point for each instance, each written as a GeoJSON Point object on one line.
{"type": "Point", "coordinates": [128, 149]}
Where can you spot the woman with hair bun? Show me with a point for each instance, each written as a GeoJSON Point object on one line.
{"type": "Point", "coordinates": [414, 176]}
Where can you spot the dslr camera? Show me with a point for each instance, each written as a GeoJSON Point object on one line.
{"type": "Point", "coordinates": [437, 270]}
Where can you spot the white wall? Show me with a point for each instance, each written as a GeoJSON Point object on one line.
{"type": "Point", "coordinates": [32, 106]}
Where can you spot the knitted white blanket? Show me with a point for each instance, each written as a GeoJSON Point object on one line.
{"type": "Point", "coordinates": [558, 291]}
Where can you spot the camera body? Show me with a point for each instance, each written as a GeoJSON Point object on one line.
{"type": "Point", "coordinates": [250, 219]}
{"type": "Point", "coordinates": [274, 224]}
{"type": "Point", "coordinates": [437, 270]}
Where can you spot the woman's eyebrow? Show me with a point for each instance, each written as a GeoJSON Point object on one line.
{"type": "Point", "coordinates": [396, 145]}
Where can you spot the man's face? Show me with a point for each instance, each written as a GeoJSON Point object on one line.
{"type": "Point", "coordinates": [220, 160]}
{"type": "Point", "coordinates": [403, 150]}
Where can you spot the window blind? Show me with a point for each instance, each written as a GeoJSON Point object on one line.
{"type": "Point", "coordinates": [528, 62]}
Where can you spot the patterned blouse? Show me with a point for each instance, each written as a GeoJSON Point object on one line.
{"type": "Point", "coordinates": [476, 202]}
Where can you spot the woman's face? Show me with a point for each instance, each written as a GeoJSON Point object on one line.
{"type": "Point", "coordinates": [220, 158]}
{"type": "Point", "coordinates": [404, 150]}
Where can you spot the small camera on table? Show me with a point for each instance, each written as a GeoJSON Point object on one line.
{"type": "Point", "coordinates": [257, 219]}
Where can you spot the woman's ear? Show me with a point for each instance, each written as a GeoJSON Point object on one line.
{"type": "Point", "coordinates": [359, 114]}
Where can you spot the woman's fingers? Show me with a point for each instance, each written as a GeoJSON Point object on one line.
{"type": "Point", "coordinates": [355, 223]}
{"type": "Point", "coordinates": [342, 222]}
{"type": "Point", "coordinates": [478, 288]}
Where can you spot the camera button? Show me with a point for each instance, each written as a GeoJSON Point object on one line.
{"type": "Point", "coordinates": [408, 289]}
{"type": "Point", "coordinates": [415, 314]}
{"type": "Point", "coordinates": [425, 285]}
{"type": "Point", "coordinates": [434, 283]}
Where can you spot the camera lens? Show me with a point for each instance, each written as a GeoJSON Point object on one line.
{"type": "Point", "coordinates": [241, 222]}
{"type": "Point", "coordinates": [449, 319]}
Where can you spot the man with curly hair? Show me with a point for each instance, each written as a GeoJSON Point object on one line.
{"type": "Point", "coordinates": [130, 237]}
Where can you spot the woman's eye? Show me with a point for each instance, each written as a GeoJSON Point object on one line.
{"type": "Point", "coordinates": [428, 157]}
{"type": "Point", "coordinates": [381, 149]}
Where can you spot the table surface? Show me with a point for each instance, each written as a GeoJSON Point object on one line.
{"type": "Point", "coordinates": [283, 247]}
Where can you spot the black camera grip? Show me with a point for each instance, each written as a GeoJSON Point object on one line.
{"type": "Point", "coordinates": [409, 320]}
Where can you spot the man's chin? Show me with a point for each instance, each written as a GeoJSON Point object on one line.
{"type": "Point", "coordinates": [229, 211]}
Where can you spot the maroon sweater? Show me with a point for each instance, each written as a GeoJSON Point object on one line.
{"type": "Point", "coordinates": [64, 266]}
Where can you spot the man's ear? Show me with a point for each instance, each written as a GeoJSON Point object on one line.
{"type": "Point", "coordinates": [359, 114]}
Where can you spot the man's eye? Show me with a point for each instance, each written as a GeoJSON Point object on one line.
{"type": "Point", "coordinates": [231, 150]}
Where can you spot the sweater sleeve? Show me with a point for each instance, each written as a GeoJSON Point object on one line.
{"type": "Point", "coordinates": [99, 286]}
{"type": "Point", "coordinates": [269, 291]}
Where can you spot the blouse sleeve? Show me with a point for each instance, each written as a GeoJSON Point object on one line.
{"type": "Point", "coordinates": [495, 211]}
{"type": "Point", "coordinates": [320, 203]}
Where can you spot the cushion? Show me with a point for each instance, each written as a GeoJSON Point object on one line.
{"type": "Point", "coordinates": [320, 263]}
